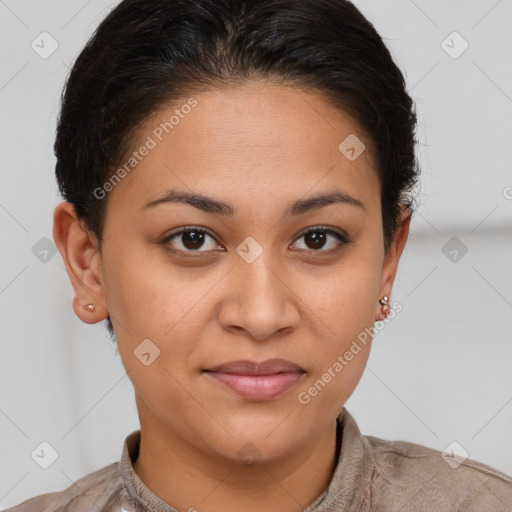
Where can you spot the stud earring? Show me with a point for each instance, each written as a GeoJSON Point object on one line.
{"type": "Point", "coordinates": [385, 306]}
{"type": "Point", "coordinates": [90, 307]}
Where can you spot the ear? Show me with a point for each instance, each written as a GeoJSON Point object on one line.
{"type": "Point", "coordinates": [392, 257]}
{"type": "Point", "coordinates": [79, 250]}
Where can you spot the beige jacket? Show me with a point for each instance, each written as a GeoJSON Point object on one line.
{"type": "Point", "coordinates": [371, 474]}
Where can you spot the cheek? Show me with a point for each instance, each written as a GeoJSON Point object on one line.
{"type": "Point", "coordinates": [152, 300]}
{"type": "Point", "coordinates": [149, 296]}
{"type": "Point", "coordinates": [344, 305]}
{"type": "Point", "coordinates": [345, 296]}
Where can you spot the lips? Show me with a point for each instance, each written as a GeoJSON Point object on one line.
{"type": "Point", "coordinates": [268, 367]}
{"type": "Point", "coordinates": [257, 381]}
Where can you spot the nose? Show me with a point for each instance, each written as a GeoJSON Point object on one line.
{"type": "Point", "coordinates": [258, 301]}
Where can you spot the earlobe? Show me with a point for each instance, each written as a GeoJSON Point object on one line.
{"type": "Point", "coordinates": [384, 304]}
{"type": "Point", "coordinates": [79, 251]}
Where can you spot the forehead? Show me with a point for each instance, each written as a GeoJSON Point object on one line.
{"type": "Point", "coordinates": [257, 140]}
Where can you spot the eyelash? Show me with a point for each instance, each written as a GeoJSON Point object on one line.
{"type": "Point", "coordinates": [324, 229]}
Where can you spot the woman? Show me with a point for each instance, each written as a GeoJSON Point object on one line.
{"type": "Point", "coordinates": [238, 182]}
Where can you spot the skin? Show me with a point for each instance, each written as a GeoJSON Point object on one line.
{"type": "Point", "coordinates": [257, 147]}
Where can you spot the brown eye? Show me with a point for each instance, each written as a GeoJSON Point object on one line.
{"type": "Point", "coordinates": [315, 239]}
{"type": "Point", "coordinates": [191, 240]}
{"type": "Point", "coordinates": [320, 239]}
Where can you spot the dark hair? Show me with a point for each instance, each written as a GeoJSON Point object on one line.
{"type": "Point", "coordinates": [147, 53]}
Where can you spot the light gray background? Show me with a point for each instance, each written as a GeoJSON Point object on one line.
{"type": "Point", "coordinates": [439, 372]}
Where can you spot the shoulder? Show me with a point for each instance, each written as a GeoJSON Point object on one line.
{"type": "Point", "coordinates": [91, 492]}
{"type": "Point", "coordinates": [409, 473]}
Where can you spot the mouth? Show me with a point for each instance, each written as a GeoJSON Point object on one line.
{"type": "Point", "coordinates": [257, 381]}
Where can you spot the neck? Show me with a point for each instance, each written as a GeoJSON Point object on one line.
{"type": "Point", "coordinates": [190, 480]}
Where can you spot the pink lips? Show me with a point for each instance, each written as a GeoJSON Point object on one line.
{"type": "Point", "coordinates": [257, 381]}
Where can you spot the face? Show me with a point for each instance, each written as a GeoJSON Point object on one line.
{"type": "Point", "coordinates": [247, 267]}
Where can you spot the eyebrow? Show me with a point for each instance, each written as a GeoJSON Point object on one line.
{"type": "Point", "coordinates": [210, 205]}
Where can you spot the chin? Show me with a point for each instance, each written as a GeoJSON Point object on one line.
{"type": "Point", "coordinates": [264, 444]}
